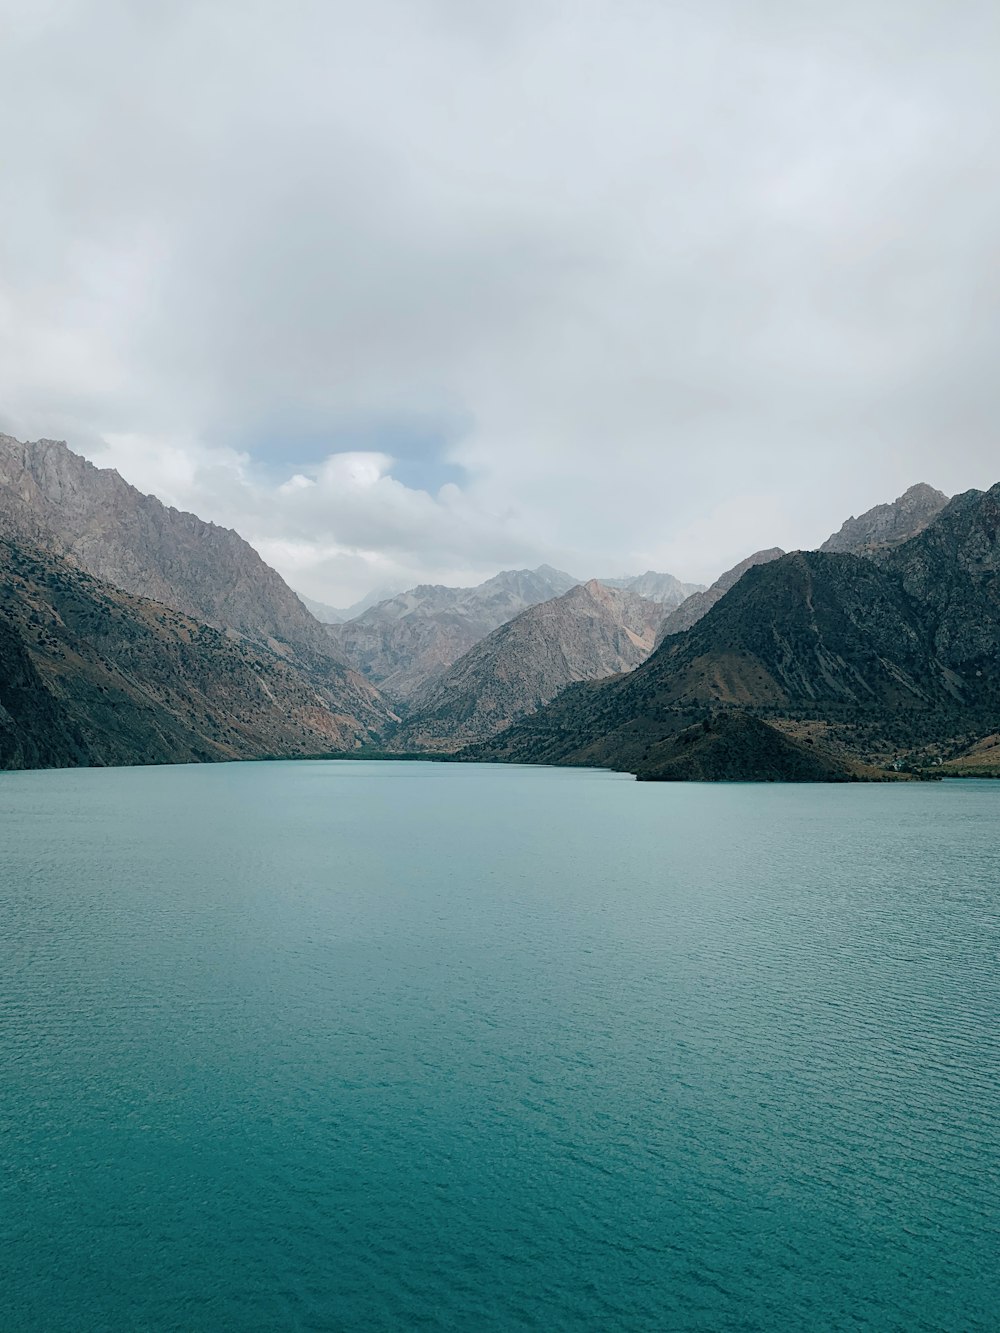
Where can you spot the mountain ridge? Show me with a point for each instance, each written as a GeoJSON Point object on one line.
{"type": "Point", "coordinates": [698, 604]}
{"type": "Point", "coordinates": [56, 498]}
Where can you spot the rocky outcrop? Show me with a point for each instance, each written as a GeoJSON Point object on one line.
{"type": "Point", "coordinates": [403, 642]}
{"type": "Point", "coordinates": [888, 525]}
{"type": "Point", "coordinates": [92, 675]}
{"type": "Point", "coordinates": [588, 632]}
{"type": "Point", "coordinates": [699, 603]}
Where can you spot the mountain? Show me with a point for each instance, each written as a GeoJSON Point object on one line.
{"type": "Point", "coordinates": [588, 632]}
{"type": "Point", "coordinates": [881, 528]}
{"type": "Point", "coordinates": [888, 525]}
{"type": "Point", "coordinates": [326, 615]}
{"type": "Point", "coordinates": [870, 665]}
{"type": "Point", "coordinates": [404, 641]}
{"type": "Point", "coordinates": [332, 615]}
{"type": "Point", "coordinates": [691, 610]}
{"type": "Point", "coordinates": [54, 498]}
{"type": "Point", "coordinates": [92, 675]}
{"type": "Point", "coordinates": [663, 588]}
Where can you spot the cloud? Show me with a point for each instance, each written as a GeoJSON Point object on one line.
{"type": "Point", "coordinates": [605, 285]}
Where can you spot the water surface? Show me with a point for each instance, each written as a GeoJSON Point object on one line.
{"type": "Point", "coordinates": [364, 1046]}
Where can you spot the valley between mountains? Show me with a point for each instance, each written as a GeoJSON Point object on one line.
{"type": "Point", "coordinates": [132, 633]}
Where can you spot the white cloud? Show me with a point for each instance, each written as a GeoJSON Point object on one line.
{"type": "Point", "coordinates": [660, 282]}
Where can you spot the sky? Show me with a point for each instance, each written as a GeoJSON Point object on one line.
{"type": "Point", "coordinates": [415, 290]}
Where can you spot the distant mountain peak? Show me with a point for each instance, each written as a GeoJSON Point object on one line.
{"type": "Point", "coordinates": [588, 632]}
{"type": "Point", "coordinates": [888, 525]}
{"type": "Point", "coordinates": [403, 642]}
{"type": "Point", "coordinates": [656, 587]}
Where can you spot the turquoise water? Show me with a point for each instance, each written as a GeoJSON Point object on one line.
{"type": "Point", "coordinates": [351, 1046]}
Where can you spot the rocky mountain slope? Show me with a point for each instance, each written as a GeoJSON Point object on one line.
{"type": "Point", "coordinates": [865, 663]}
{"type": "Point", "coordinates": [697, 604]}
{"type": "Point", "coordinates": [878, 530]}
{"type": "Point", "coordinates": [888, 525]}
{"type": "Point", "coordinates": [91, 516]}
{"type": "Point", "coordinates": [588, 632]}
{"type": "Point", "coordinates": [92, 675]}
{"type": "Point", "coordinates": [401, 643]}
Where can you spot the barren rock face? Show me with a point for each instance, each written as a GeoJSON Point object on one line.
{"type": "Point", "coordinates": [662, 588]}
{"type": "Point", "coordinates": [888, 525]}
{"type": "Point", "coordinates": [90, 515]}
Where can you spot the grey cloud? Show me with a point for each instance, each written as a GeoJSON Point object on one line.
{"type": "Point", "coordinates": [692, 279]}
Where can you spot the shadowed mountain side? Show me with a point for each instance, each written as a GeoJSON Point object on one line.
{"type": "Point", "coordinates": [35, 731]}
{"type": "Point", "coordinates": [888, 525]}
{"type": "Point", "coordinates": [405, 641]}
{"type": "Point", "coordinates": [588, 726]}
{"type": "Point", "coordinates": [92, 675]}
{"type": "Point", "coordinates": [735, 747]}
{"type": "Point", "coordinates": [590, 631]}
{"type": "Point", "coordinates": [878, 663]}
{"type": "Point", "coordinates": [52, 497]}
{"type": "Point", "coordinates": [700, 603]}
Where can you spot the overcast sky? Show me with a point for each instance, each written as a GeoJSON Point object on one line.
{"type": "Point", "coordinates": [418, 289]}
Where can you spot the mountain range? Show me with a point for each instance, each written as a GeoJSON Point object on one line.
{"type": "Point", "coordinates": [888, 525]}
{"type": "Point", "coordinates": [590, 631]}
{"type": "Point", "coordinates": [691, 610]}
{"type": "Point", "coordinates": [867, 664]}
{"type": "Point", "coordinates": [133, 633]}
{"type": "Point", "coordinates": [405, 642]}
{"type": "Point", "coordinates": [402, 642]}
{"type": "Point", "coordinates": [332, 615]}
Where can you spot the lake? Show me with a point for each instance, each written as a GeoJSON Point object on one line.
{"type": "Point", "coordinates": [365, 1046]}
